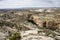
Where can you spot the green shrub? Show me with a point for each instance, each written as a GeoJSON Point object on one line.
{"type": "Point", "coordinates": [16, 36]}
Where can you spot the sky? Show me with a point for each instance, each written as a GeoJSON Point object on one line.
{"type": "Point", "coordinates": [28, 3]}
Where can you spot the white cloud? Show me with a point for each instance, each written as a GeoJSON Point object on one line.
{"type": "Point", "coordinates": [28, 3]}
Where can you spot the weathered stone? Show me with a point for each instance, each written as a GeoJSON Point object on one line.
{"type": "Point", "coordinates": [34, 37]}
{"type": "Point", "coordinates": [37, 20]}
{"type": "Point", "coordinates": [26, 33]}
{"type": "Point", "coordinates": [57, 37]}
{"type": "Point", "coordinates": [45, 21]}
{"type": "Point", "coordinates": [3, 36]}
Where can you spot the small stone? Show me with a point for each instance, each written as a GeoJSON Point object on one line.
{"type": "Point", "coordinates": [58, 37]}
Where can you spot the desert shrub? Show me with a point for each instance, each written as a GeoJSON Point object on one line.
{"type": "Point", "coordinates": [1, 22]}
{"type": "Point", "coordinates": [6, 16]}
{"type": "Point", "coordinates": [48, 33]}
{"type": "Point", "coordinates": [10, 24]}
{"type": "Point", "coordinates": [16, 36]}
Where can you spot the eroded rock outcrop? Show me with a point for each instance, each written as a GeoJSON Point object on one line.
{"type": "Point", "coordinates": [45, 21]}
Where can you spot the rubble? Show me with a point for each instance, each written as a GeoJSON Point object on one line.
{"type": "Point", "coordinates": [37, 38]}
{"type": "Point", "coordinates": [33, 35]}
{"type": "Point", "coordinates": [3, 36]}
